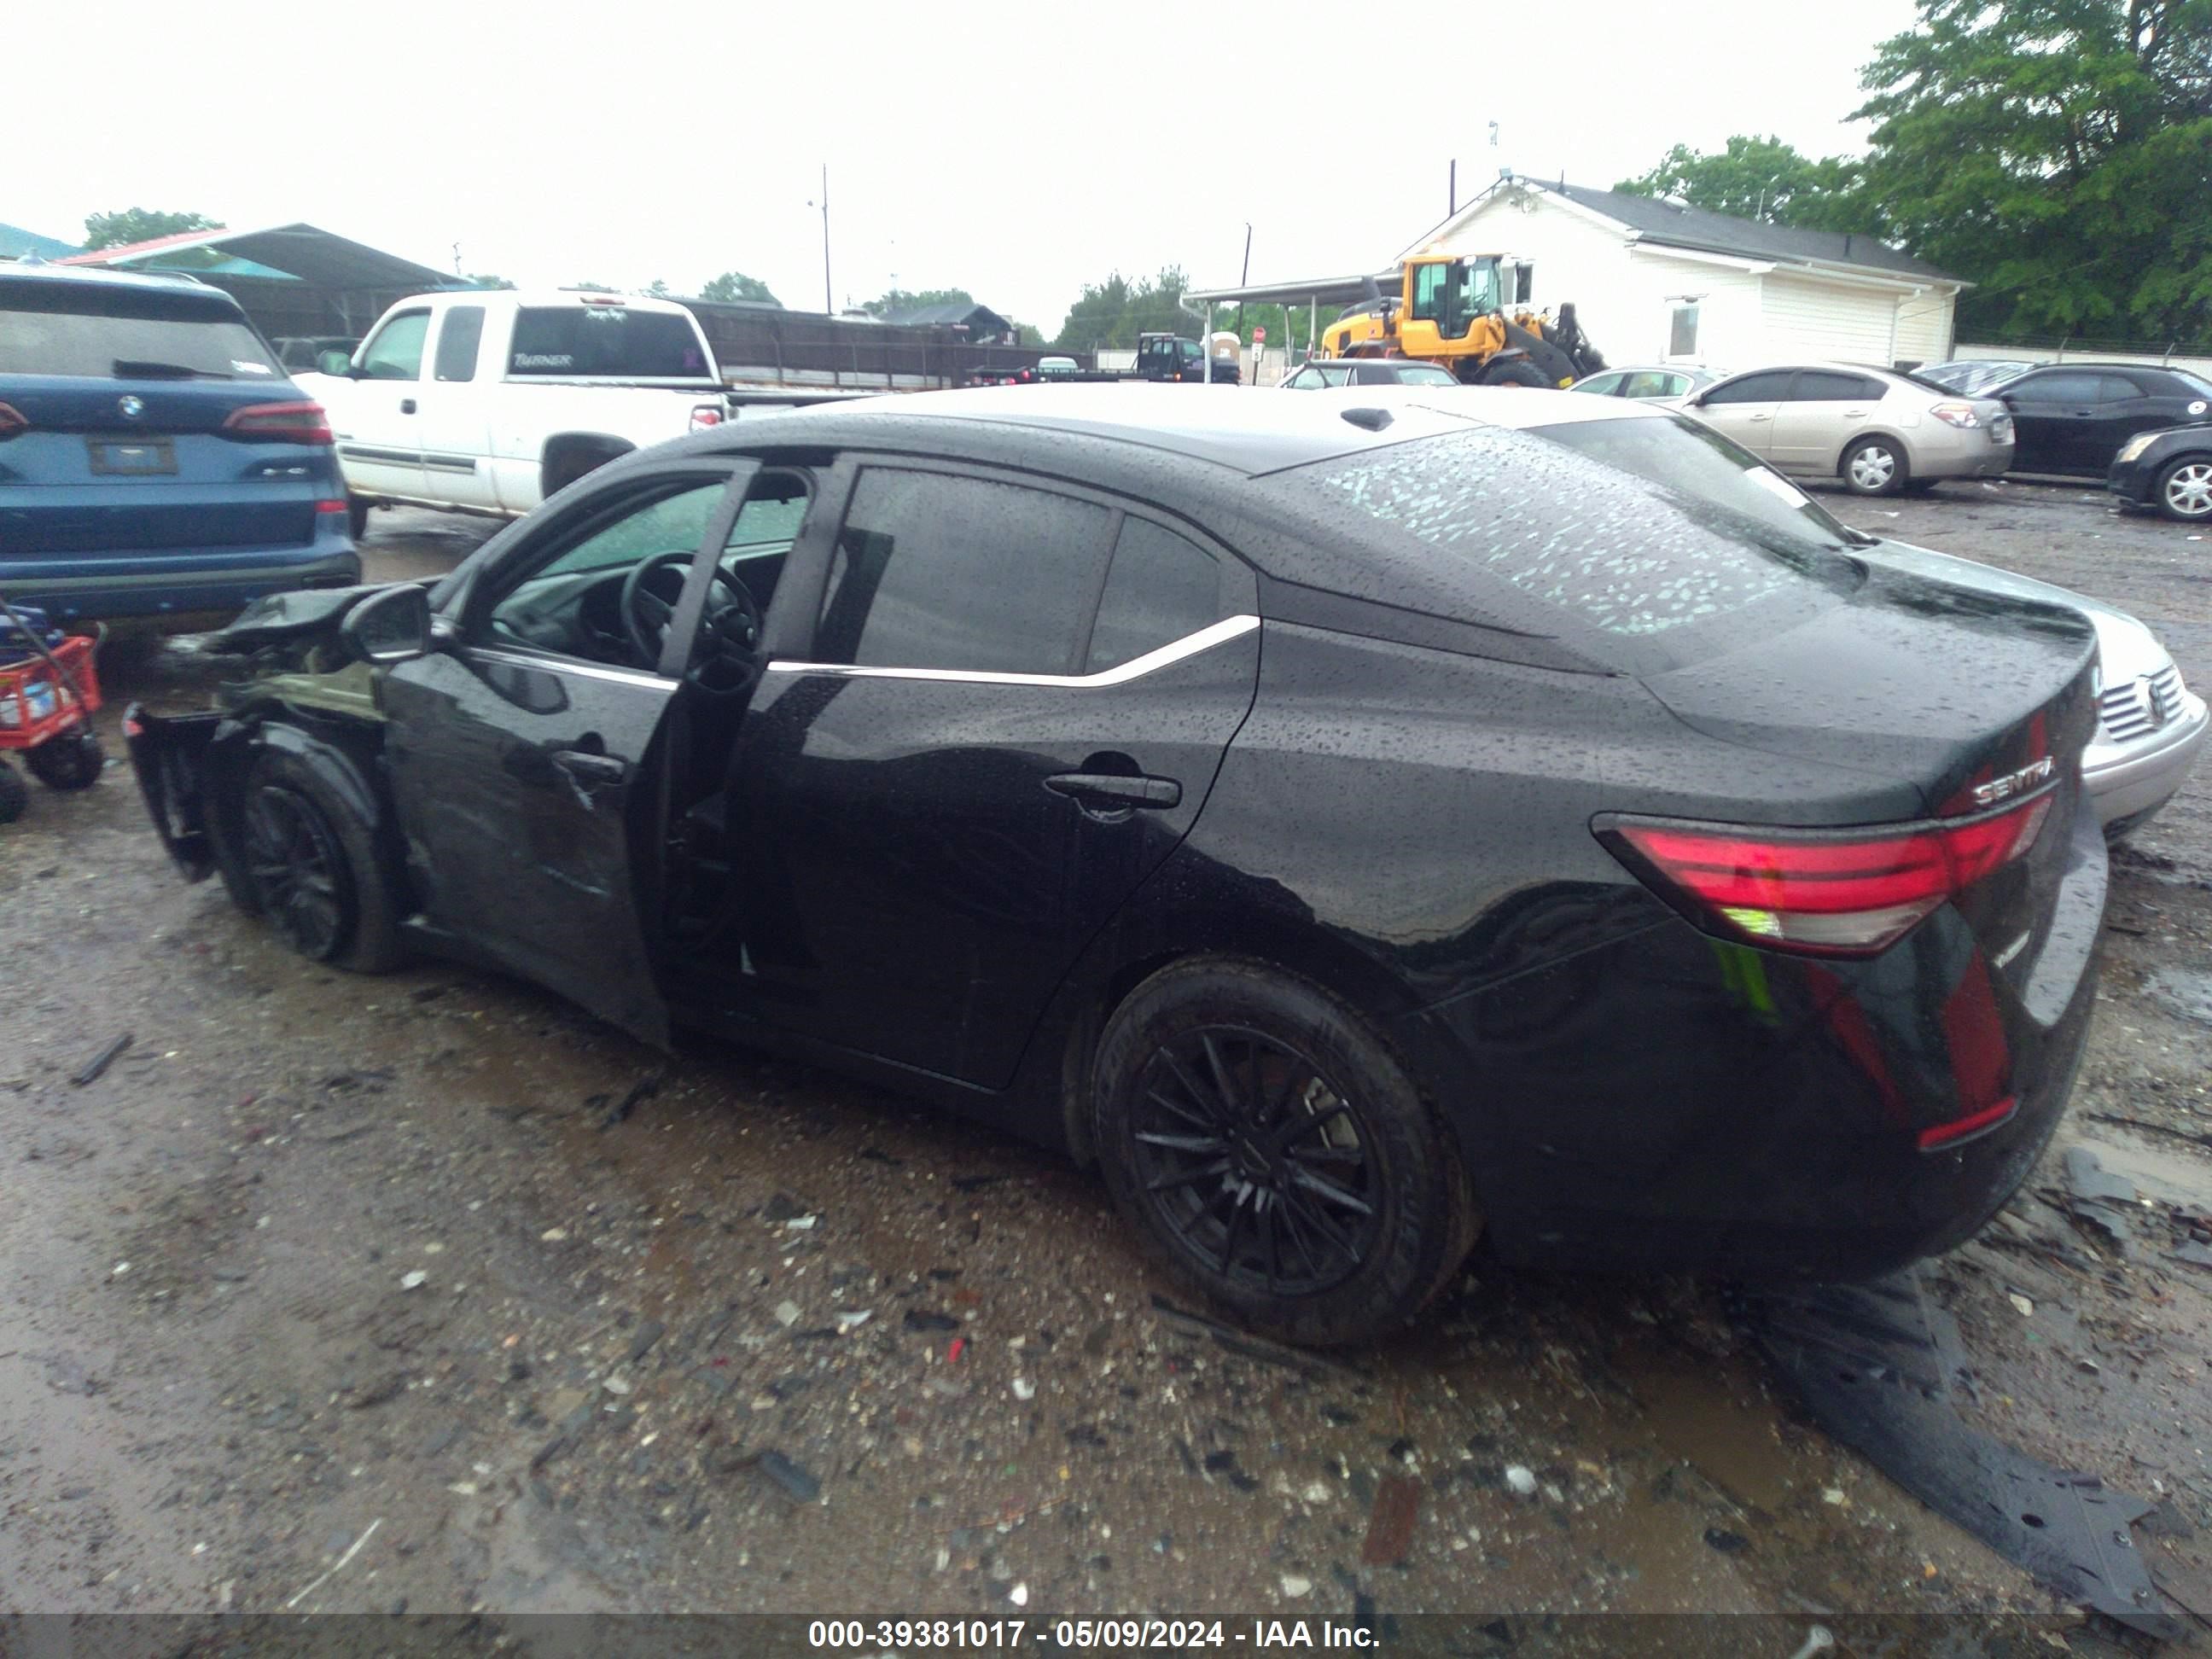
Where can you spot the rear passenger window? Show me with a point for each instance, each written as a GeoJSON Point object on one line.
{"type": "Point", "coordinates": [1160, 589]}
{"type": "Point", "coordinates": [934, 571]}
{"type": "Point", "coordinates": [456, 342]}
{"type": "Point", "coordinates": [1822, 386]}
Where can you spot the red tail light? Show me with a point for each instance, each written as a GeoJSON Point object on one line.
{"type": "Point", "coordinates": [12, 421]}
{"type": "Point", "coordinates": [1848, 893]}
{"type": "Point", "coordinates": [704, 416]}
{"type": "Point", "coordinates": [330, 507]}
{"type": "Point", "coordinates": [292, 423]}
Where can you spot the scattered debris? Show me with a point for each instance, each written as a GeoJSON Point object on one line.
{"type": "Point", "coordinates": [1521, 1478]}
{"type": "Point", "coordinates": [1873, 1362]}
{"type": "Point", "coordinates": [2025, 1308]}
{"type": "Point", "coordinates": [1727, 1542]}
{"type": "Point", "coordinates": [2100, 1199]}
{"type": "Point", "coordinates": [644, 1089]}
{"type": "Point", "coordinates": [336, 1566]}
{"type": "Point", "coordinates": [91, 1071]}
{"type": "Point", "coordinates": [793, 1478]}
{"type": "Point", "coordinates": [787, 1313]}
{"type": "Point", "coordinates": [1024, 1388]}
{"type": "Point", "coordinates": [1296, 1585]}
{"type": "Point", "coordinates": [409, 1281]}
{"type": "Point", "coordinates": [1390, 1522]}
{"type": "Point", "coordinates": [921, 1319]}
{"type": "Point", "coordinates": [641, 1340]}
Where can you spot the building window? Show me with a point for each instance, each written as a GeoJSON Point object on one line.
{"type": "Point", "coordinates": [1682, 338]}
{"type": "Point", "coordinates": [1524, 283]}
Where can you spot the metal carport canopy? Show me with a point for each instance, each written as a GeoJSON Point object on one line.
{"type": "Point", "coordinates": [1318, 290]}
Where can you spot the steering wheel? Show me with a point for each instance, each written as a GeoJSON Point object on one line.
{"type": "Point", "coordinates": [726, 658]}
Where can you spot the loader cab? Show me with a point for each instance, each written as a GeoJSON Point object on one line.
{"type": "Point", "coordinates": [1451, 296]}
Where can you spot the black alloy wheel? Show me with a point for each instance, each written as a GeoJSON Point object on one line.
{"type": "Point", "coordinates": [299, 875]}
{"type": "Point", "coordinates": [1271, 1150]}
{"type": "Point", "coordinates": [1256, 1163]}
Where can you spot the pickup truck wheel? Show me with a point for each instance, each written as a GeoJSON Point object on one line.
{"type": "Point", "coordinates": [357, 515]}
{"type": "Point", "coordinates": [313, 868]}
{"type": "Point", "coordinates": [571, 461]}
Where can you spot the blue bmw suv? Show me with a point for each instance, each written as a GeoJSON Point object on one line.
{"type": "Point", "coordinates": [156, 464]}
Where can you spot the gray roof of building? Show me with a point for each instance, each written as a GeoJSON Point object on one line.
{"type": "Point", "coordinates": [951, 314]}
{"type": "Point", "coordinates": [1705, 231]}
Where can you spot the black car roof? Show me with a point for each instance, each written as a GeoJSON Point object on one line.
{"type": "Point", "coordinates": [1239, 428]}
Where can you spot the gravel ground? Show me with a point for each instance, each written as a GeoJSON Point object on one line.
{"type": "Point", "coordinates": [364, 1295]}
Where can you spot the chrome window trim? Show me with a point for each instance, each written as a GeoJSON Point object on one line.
{"type": "Point", "coordinates": [553, 665]}
{"type": "Point", "coordinates": [1152, 661]}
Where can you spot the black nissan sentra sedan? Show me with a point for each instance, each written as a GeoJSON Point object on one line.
{"type": "Point", "coordinates": [1359, 821]}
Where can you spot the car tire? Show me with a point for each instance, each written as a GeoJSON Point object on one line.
{"type": "Point", "coordinates": [357, 515]}
{"type": "Point", "coordinates": [1244, 1116]}
{"type": "Point", "coordinates": [310, 869]}
{"type": "Point", "coordinates": [1875, 466]}
{"type": "Point", "coordinates": [72, 761]}
{"type": "Point", "coordinates": [2183, 489]}
{"type": "Point", "coordinates": [14, 793]}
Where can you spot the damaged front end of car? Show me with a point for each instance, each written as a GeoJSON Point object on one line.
{"type": "Point", "coordinates": [292, 654]}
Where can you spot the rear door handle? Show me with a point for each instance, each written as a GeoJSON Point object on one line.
{"type": "Point", "coordinates": [587, 768]}
{"type": "Point", "coordinates": [1113, 792]}
{"type": "Point", "coordinates": [1760, 417]}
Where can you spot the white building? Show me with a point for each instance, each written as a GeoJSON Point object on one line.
{"type": "Point", "coordinates": [1652, 282]}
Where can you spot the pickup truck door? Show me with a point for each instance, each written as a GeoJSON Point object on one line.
{"type": "Point", "coordinates": [379, 441]}
{"type": "Point", "coordinates": [453, 414]}
{"type": "Point", "coordinates": [530, 780]}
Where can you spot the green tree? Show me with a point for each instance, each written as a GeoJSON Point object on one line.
{"type": "Point", "coordinates": [656, 290]}
{"type": "Point", "coordinates": [2056, 152]}
{"type": "Point", "coordinates": [485, 280]}
{"type": "Point", "coordinates": [898, 298]}
{"type": "Point", "coordinates": [139, 224]}
{"type": "Point", "coordinates": [1763, 178]}
{"type": "Point", "coordinates": [1112, 313]}
{"type": "Point", "coordinates": [734, 285]}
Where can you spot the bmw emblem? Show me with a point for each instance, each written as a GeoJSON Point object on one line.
{"type": "Point", "coordinates": [132, 408]}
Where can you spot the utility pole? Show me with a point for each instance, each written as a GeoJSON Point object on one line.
{"type": "Point", "coordinates": [829, 304]}
{"type": "Point", "coordinates": [457, 259]}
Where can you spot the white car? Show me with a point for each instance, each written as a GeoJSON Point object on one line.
{"type": "Point", "coordinates": [2150, 727]}
{"type": "Point", "coordinates": [1666, 384]}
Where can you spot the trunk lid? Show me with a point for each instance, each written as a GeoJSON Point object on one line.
{"type": "Point", "coordinates": [1939, 686]}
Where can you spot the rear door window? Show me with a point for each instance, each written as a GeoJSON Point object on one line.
{"type": "Point", "coordinates": [943, 571]}
{"type": "Point", "coordinates": [89, 329]}
{"type": "Point", "coordinates": [458, 339]}
{"type": "Point", "coordinates": [1827, 385]}
{"type": "Point", "coordinates": [1162, 587]}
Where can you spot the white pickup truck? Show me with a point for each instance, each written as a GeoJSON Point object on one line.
{"type": "Point", "coordinates": [488, 402]}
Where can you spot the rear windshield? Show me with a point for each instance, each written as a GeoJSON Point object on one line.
{"type": "Point", "coordinates": [1657, 542]}
{"type": "Point", "coordinates": [89, 331]}
{"type": "Point", "coordinates": [564, 342]}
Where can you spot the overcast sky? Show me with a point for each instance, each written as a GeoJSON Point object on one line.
{"type": "Point", "coordinates": [1015, 150]}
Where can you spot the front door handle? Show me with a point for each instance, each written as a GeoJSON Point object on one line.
{"type": "Point", "coordinates": [587, 768]}
{"type": "Point", "coordinates": [1760, 417]}
{"type": "Point", "coordinates": [406, 405]}
{"type": "Point", "coordinates": [1114, 793]}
